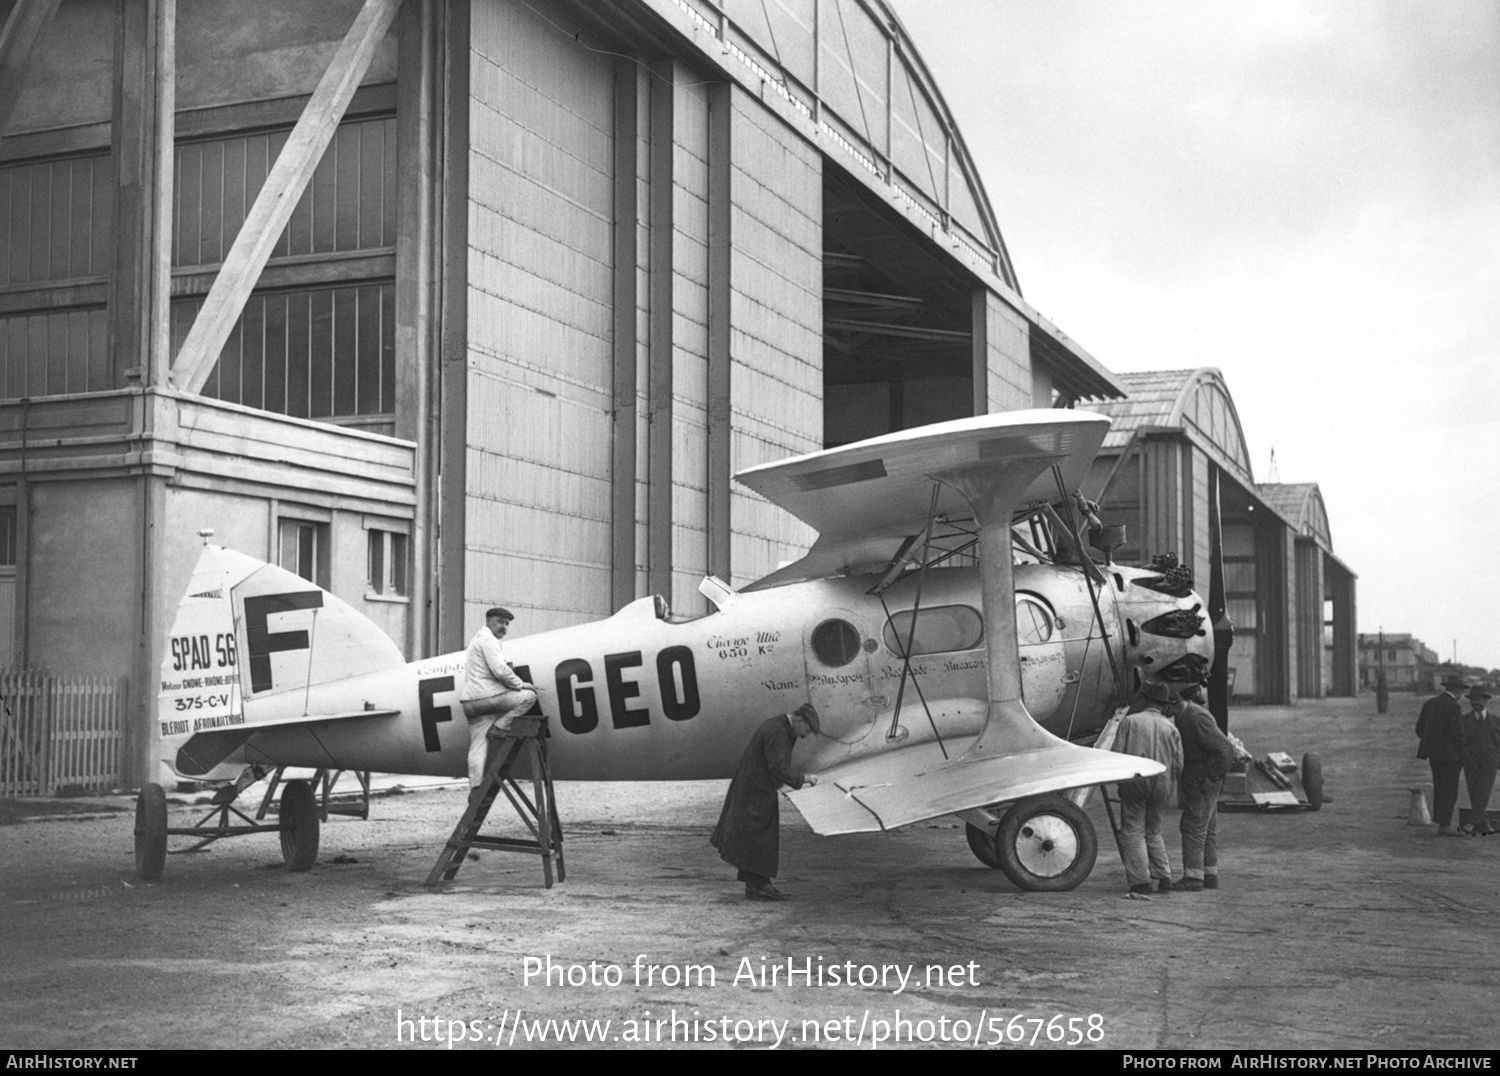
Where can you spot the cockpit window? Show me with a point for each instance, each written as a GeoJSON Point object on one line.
{"type": "Point", "coordinates": [1031, 540]}
{"type": "Point", "coordinates": [940, 629]}
{"type": "Point", "coordinates": [835, 642]}
{"type": "Point", "coordinates": [1033, 621]}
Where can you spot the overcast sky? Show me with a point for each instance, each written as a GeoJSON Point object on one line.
{"type": "Point", "coordinates": [1305, 195]}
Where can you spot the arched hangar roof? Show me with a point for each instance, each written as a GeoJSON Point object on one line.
{"type": "Point", "coordinates": [1194, 401]}
{"type": "Point", "coordinates": [1197, 403]}
{"type": "Point", "coordinates": [877, 104]}
{"type": "Point", "coordinates": [1302, 504]}
{"type": "Point", "coordinates": [847, 76]}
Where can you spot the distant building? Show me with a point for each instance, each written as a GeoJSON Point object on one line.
{"type": "Point", "coordinates": [1176, 448]}
{"type": "Point", "coordinates": [1409, 664]}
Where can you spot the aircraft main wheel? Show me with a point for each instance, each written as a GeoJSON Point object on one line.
{"type": "Point", "coordinates": [150, 832]}
{"type": "Point", "coordinates": [299, 826]}
{"type": "Point", "coordinates": [982, 844]}
{"type": "Point", "coordinates": [1312, 780]}
{"type": "Point", "coordinates": [1046, 843]}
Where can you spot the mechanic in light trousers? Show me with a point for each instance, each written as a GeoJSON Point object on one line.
{"type": "Point", "coordinates": [1146, 732]}
{"type": "Point", "coordinates": [493, 695]}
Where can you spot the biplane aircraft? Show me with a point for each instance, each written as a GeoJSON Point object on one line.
{"type": "Point", "coordinates": [948, 624]}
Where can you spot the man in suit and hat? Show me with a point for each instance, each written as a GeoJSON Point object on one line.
{"type": "Point", "coordinates": [493, 695]}
{"type": "Point", "coordinates": [1440, 740]}
{"type": "Point", "coordinates": [1481, 759]}
{"type": "Point", "coordinates": [1146, 732]}
{"type": "Point", "coordinates": [748, 835]}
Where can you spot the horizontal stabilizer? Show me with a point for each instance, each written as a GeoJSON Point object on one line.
{"type": "Point", "coordinates": [916, 783]}
{"type": "Point", "coordinates": [205, 750]}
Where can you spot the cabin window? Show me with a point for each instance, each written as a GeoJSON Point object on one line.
{"type": "Point", "coordinates": [835, 642]}
{"type": "Point", "coordinates": [940, 629]}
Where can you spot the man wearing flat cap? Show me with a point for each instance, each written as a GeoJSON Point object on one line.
{"type": "Point", "coordinates": [1481, 759]}
{"type": "Point", "coordinates": [1440, 740]}
{"type": "Point", "coordinates": [748, 835]}
{"type": "Point", "coordinates": [493, 695]}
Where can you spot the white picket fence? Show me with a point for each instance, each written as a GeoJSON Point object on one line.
{"type": "Point", "coordinates": [60, 732]}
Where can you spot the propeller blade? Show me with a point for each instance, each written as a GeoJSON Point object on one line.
{"type": "Point", "coordinates": [1218, 615]}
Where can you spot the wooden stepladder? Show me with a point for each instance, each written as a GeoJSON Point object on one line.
{"type": "Point", "coordinates": [538, 811]}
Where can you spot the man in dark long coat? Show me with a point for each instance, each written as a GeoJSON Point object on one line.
{"type": "Point", "coordinates": [1441, 742]}
{"type": "Point", "coordinates": [1481, 759]}
{"type": "Point", "coordinates": [749, 832]}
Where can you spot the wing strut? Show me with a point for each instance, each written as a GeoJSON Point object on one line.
{"type": "Point", "coordinates": [911, 632]}
{"type": "Point", "coordinates": [993, 489]}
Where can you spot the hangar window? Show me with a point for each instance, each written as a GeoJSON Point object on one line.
{"type": "Point", "coordinates": [7, 537]}
{"type": "Point", "coordinates": [303, 549]}
{"type": "Point", "coordinates": [56, 247]}
{"type": "Point", "coordinates": [317, 337]}
{"type": "Point", "coordinates": [386, 557]}
{"type": "Point", "coordinates": [940, 629]}
{"type": "Point", "coordinates": [835, 642]}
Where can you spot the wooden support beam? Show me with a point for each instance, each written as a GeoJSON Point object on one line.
{"type": "Point", "coordinates": [451, 409]}
{"type": "Point", "coordinates": [284, 186]}
{"type": "Point", "coordinates": [629, 86]}
{"type": "Point", "coordinates": [720, 335]}
{"type": "Point", "coordinates": [21, 30]}
{"type": "Point", "coordinates": [417, 242]}
{"type": "Point", "coordinates": [659, 379]}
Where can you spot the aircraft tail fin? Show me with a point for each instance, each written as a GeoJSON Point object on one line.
{"type": "Point", "coordinates": [249, 642]}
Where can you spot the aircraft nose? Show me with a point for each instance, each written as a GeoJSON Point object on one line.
{"type": "Point", "coordinates": [1168, 635]}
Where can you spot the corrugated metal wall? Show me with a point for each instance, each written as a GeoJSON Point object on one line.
{"type": "Point", "coordinates": [776, 386]}
{"type": "Point", "coordinates": [1008, 370]}
{"type": "Point", "coordinates": [1200, 553]}
{"type": "Point", "coordinates": [1312, 679]}
{"type": "Point", "coordinates": [540, 309]}
{"type": "Point", "coordinates": [1162, 496]}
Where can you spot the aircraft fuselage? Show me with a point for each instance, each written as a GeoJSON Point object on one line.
{"type": "Point", "coordinates": [638, 696]}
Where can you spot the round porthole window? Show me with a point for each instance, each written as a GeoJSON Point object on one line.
{"type": "Point", "coordinates": [1033, 623]}
{"type": "Point", "coordinates": [836, 642]}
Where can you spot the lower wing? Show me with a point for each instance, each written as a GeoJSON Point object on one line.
{"type": "Point", "coordinates": [912, 784]}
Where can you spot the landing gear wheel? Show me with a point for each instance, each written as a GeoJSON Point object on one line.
{"type": "Point", "coordinates": [1312, 780]}
{"type": "Point", "coordinates": [150, 832]}
{"type": "Point", "coordinates": [299, 826]}
{"type": "Point", "coordinates": [1046, 844]}
{"type": "Point", "coordinates": [982, 845]}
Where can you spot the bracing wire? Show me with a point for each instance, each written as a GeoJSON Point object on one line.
{"type": "Point", "coordinates": [1088, 576]}
{"type": "Point", "coordinates": [911, 633]}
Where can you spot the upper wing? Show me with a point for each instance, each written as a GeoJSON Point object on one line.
{"type": "Point", "coordinates": [911, 784]}
{"type": "Point", "coordinates": [865, 497]}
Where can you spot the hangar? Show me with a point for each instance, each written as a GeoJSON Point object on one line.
{"type": "Point", "coordinates": [446, 303]}
{"type": "Point", "coordinates": [1176, 447]}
